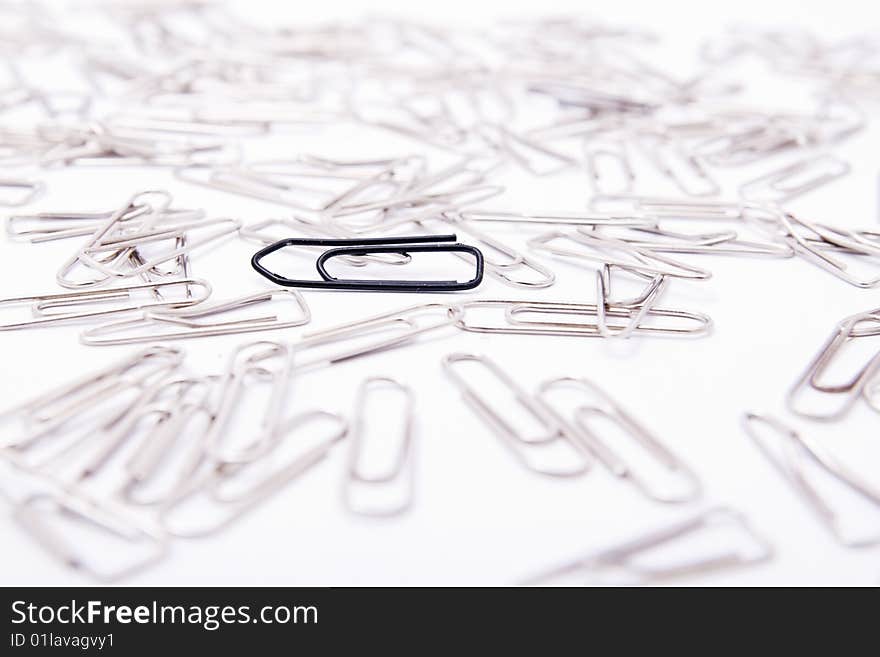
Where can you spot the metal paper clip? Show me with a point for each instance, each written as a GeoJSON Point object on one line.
{"type": "Point", "coordinates": [795, 179]}
{"type": "Point", "coordinates": [53, 410]}
{"type": "Point", "coordinates": [100, 303]}
{"type": "Point", "coordinates": [401, 470]}
{"type": "Point", "coordinates": [628, 563]}
{"type": "Point", "coordinates": [32, 189]}
{"type": "Point", "coordinates": [684, 169]}
{"type": "Point", "coordinates": [514, 320]}
{"type": "Point", "coordinates": [364, 247]}
{"type": "Point", "coordinates": [226, 506]}
{"type": "Point", "coordinates": [32, 514]}
{"type": "Point", "coordinates": [264, 362]}
{"type": "Point", "coordinates": [789, 461]}
{"type": "Point", "coordinates": [117, 249]}
{"type": "Point", "coordinates": [862, 325]}
{"type": "Point", "coordinates": [201, 321]}
{"type": "Point", "coordinates": [50, 226]}
{"type": "Point", "coordinates": [184, 406]}
{"type": "Point", "coordinates": [403, 325]}
{"type": "Point", "coordinates": [822, 243]}
{"type": "Point", "coordinates": [557, 218]}
{"type": "Point", "coordinates": [642, 304]}
{"type": "Point", "coordinates": [527, 152]}
{"type": "Point", "coordinates": [524, 448]}
{"type": "Point", "coordinates": [601, 405]}
{"type": "Point", "coordinates": [606, 250]}
{"type": "Point", "coordinates": [668, 208]}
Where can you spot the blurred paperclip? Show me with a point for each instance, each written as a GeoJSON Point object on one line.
{"type": "Point", "coordinates": [113, 251]}
{"type": "Point", "coordinates": [619, 167]}
{"type": "Point", "coordinates": [795, 179]}
{"type": "Point", "coordinates": [401, 472]}
{"type": "Point", "coordinates": [684, 169]}
{"type": "Point", "coordinates": [222, 493]}
{"type": "Point", "coordinates": [600, 249]}
{"type": "Point", "coordinates": [630, 563]}
{"type": "Point", "coordinates": [32, 190]}
{"type": "Point", "coordinates": [531, 451]}
{"type": "Point", "coordinates": [790, 460]}
{"type": "Point", "coordinates": [55, 410]}
{"type": "Point", "coordinates": [403, 325]}
{"type": "Point", "coordinates": [252, 366]}
{"type": "Point", "coordinates": [47, 517]}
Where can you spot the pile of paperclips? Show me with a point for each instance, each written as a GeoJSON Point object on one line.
{"type": "Point", "coordinates": [192, 87]}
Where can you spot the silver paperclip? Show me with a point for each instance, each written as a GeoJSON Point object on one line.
{"type": "Point", "coordinates": [862, 325]}
{"type": "Point", "coordinates": [789, 461]}
{"type": "Point", "coordinates": [31, 515]}
{"type": "Point", "coordinates": [403, 325]}
{"type": "Point", "coordinates": [629, 563]}
{"type": "Point", "coordinates": [523, 447]}
{"type": "Point", "coordinates": [262, 362]}
{"type": "Point", "coordinates": [795, 179]}
{"type": "Point", "coordinates": [557, 218]}
{"type": "Point", "coordinates": [53, 410]}
{"type": "Point", "coordinates": [601, 405]}
{"type": "Point", "coordinates": [614, 152]}
{"type": "Point", "coordinates": [606, 250]}
{"type": "Point", "coordinates": [201, 321]}
{"type": "Point", "coordinates": [513, 321]}
{"type": "Point", "coordinates": [32, 189]}
{"type": "Point", "coordinates": [99, 303]}
{"type": "Point", "coordinates": [401, 470]}
{"type": "Point", "coordinates": [187, 415]}
{"type": "Point", "coordinates": [225, 506]}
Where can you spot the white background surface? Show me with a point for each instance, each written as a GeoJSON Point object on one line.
{"type": "Point", "coordinates": [479, 518]}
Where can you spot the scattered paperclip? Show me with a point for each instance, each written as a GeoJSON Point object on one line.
{"type": "Point", "coordinates": [628, 562]}
{"type": "Point", "coordinates": [32, 188]}
{"type": "Point", "coordinates": [789, 182]}
{"type": "Point", "coordinates": [30, 513]}
{"type": "Point", "coordinates": [790, 463]}
{"type": "Point", "coordinates": [524, 448]}
{"type": "Point", "coordinates": [400, 472]}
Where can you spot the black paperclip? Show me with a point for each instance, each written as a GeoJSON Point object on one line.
{"type": "Point", "coordinates": [363, 247]}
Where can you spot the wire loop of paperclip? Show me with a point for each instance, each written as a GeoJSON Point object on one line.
{"type": "Point", "coordinates": [401, 470]}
